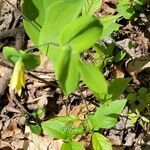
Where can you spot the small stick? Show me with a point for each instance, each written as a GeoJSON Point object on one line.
{"type": "Point", "coordinates": [17, 102]}
{"type": "Point", "coordinates": [83, 99]}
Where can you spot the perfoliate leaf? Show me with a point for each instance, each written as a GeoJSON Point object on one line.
{"type": "Point", "coordinates": [57, 17]}
{"type": "Point", "coordinates": [34, 12]}
{"type": "Point", "coordinates": [91, 6]}
{"type": "Point", "coordinates": [30, 61]}
{"type": "Point", "coordinates": [100, 142]}
{"type": "Point", "coordinates": [60, 127]}
{"type": "Point", "coordinates": [94, 79]}
{"type": "Point", "coordinates": [81, 34]}
{"type": "Point", "coordinates": [67, 70]}
{"type": "Point", "coordinates": [109, 24]}
{"type": "Point", "coordinates": [72, 145]}
{"type": "Point", "coordinates": [106, 115]}
{"type": "Point", "coordinates": [11, 54]}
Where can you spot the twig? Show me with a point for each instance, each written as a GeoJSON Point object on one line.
{"type": "Point", "coordinates": [17, 102]}
{"type": "Point", "coordinates": [83, 99]}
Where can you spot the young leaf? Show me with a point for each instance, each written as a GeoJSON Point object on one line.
{"type": "Point", "coordinates": [124, 7]}
{"type": "Point", "coordinates": [94, 78]}
{"type": "Point", "coordinates": [109, 24]}
{"type": "Point", "coordinates": [117, 87]}
{"type": "Point", "coordinates": [120, 55]}
{"type": "Point", "coordinates": [30, 61]}
{"type": "Point", "coordinates": [57, 17]}
{"type": "Point", "coordinates": [11, 54]}
{"type": "Point", "coordinates": [106, 115]}
{"type": "Point", "coordinates": [100, 142]}
{"type": "Point", "coordinates": [72, 145]}
{"type": "Point", "coordinates": [35, 128]}
{"type": "Point", "coordinates": [67, 70]}
{"type": "Point", "coordinates": [61, 127]}
{"type": "Point", "coordinates": [81, 34]}
{"type": "Point", "coordinates": [91, 6]}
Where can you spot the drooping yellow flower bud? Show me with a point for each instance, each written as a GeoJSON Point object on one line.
{"type": "Point", "coordinates": [18, 77]}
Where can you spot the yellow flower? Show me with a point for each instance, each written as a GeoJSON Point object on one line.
{"type": "Point", "coordinates": [18, 77]}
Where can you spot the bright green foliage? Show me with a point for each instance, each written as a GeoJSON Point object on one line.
{"type": "Point", "coordinates": [137, 117]}
{"type": "Point", "coordinates": [57, 17]}
{"type": "Point", "coordinates": [106, 115]}
{"type": "Point", "coordinates": [109, 24]}
{"type": "Point", "coordinates": [67, 70]}
{"type": "Point", "coordinates": [60, 32]}
{"type": "Point", "coordinates": [68, 36]}
{"type": "Point", "coordinates": [11, 54]}
{"type": "Point", "coordinates": [129, 8]}
{"type": "Point", "coordinates": [100, 142]}
{"type": "Point", "coordinates": [76, 37]}
{"type": "Point", "coordinates": [62, 127]}
{"type": "Point", "coordinates": [91, 6]}
{"type": "Point", "coordinates": [29, 60]}
{"type": "Point", "coordinates": [72, 145]}
{"type": "Point", "coordinates": [94, 79]}
{"type": "Point", "coordinates": [35, 12]}
{"type": "Point", "coordinates": [104, 55]}
{"type": "Point", "coordinates": [125, 8]}
{"type": "Point", "coordinates": [81, 34]}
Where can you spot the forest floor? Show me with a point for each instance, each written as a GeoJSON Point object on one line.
{"type": "Point", "coordinates": [42, 89]}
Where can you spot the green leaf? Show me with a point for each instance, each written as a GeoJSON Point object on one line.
{"type": "Point", "coordinates": [106, 115]}
{"type": "Point", "coordinates": [117, 87]}
{"type": "Point", "coordinates": [81, 34]}
{"type": "Point", "coordinates": [120, 55]}
{"type": "Point", "coordinates": [72, 145]}
{"type": "Point", "coordinates": [89, 121]}
{"type": "Point", "coordinates": [109, 24]}
{"type": "Point", "coordinates": [67, 71]}
{"type": "Point", "coordinates": [57, 17]}
{"type": "Point", "coordinates": [91, 6]}
{"type": "Point", "coordinates": [100, 142]}
{"type": "Point", "coordinates": [94, 79]}
{"type": "Point", "coordinates": [11, 54]}
{"type": "Point", "coordinates": [34, 12]}
{"type": "Point", "coordinates": [60, 127]}
{"type": "Point", "coordinates": [125, 8]}
{"type": "Point", "coordinates": [38, 113]}
{"type": "Point", "coordinates": [35, 128]}
{"type": "Point", "coordinates": [30, 61]}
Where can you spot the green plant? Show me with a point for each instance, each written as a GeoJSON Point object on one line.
{"type": "Point", "coordinates": [104, 55]}
{"type": "Point", "coordinates": [139, 103]}
{"type": "Point", "coordinates": [63, 33]}
{"type": "Point", "coordinates": [22, 61]}
{"type": "Point", "coordinates": [128, 8]}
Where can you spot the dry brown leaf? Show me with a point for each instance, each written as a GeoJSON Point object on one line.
{"type": "Point", "coordinates": [41, 142]}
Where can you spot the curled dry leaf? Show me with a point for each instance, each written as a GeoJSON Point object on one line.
{"type": "Point", "coordinates": [137, 65]}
